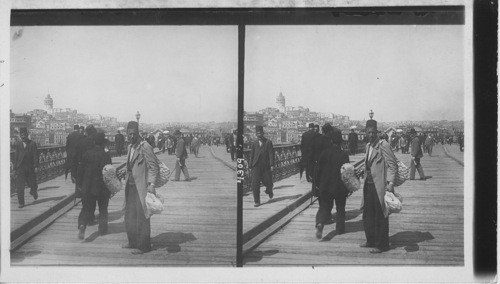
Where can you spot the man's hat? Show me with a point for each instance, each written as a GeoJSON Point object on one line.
{"type": "Point", "coordinates": [412, 131]}
{"type": "Point", "coordinates": [82, 127]}
{"type": "Point", "coordinates": [177, 132]}
{"type": "Point", "coordinates": [259, 128]}
{"type": "Point", "coordinates": [76, 127]}
{"type": "Point", "coordinates": [371, 124]}
{"type": "Point", "coordinates": [23, 130]}
{"type": "Point", "coordinates": [133, 125]}
{"type": "Point", "coordinates": [311, 125]}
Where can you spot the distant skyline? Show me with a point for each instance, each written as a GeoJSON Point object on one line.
{"type": "Point", "coordinates": [401, 72]}
{"type": "Point", "coordinates": [167, 73]}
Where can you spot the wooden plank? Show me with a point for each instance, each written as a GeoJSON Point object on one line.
{"type": "Point", "coordinates": [197, 226]}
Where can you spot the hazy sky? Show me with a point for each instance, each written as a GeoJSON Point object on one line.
{"type": "Point", "coordinates": [401, 72]}
{"type": "Point", "coordinates": [167, 73]}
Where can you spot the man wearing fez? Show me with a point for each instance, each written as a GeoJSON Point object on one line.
{"type": "Point", "coordinates": [142, 170]}
{"type": "Point", "coordinates": [305, 149]}
{"type": "Point", "coordinates": [92, 186]}
{"type": "Point", "coordinates": [331, 187]}
{"type": "Point", "coordinates": [353, 142]}
{"type": "Point", "coordinates": [25, 166]}
{"type": "Point", "coordinates": [416, 154]}
{"type": "Point", "coordinates": [71, 142]}
{"type": "Point", "coordinates": [181, 154]}
{"type": "Point", "coordinates": [381, 168]}
{"type": "Point", "coordinates": [119, 143]}
{"type": "Point", "coordinates": [261, 161]}
{"type": "Point", "coordinates": [82, 130]}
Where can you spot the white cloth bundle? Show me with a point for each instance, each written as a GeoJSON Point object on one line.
{"type": "Point", "coordinates": [153, 204]}
{"type": "Point", "coordinates": [349, 178]}
{"type": "Point", "coordinates": [163, 175]}
{"type": "Point", "coordinates": [111, 181]}
{"type": "Point", "coordinates": [393, 202]}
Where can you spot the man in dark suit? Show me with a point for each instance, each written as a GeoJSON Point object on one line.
{"type": "Point", "coordinates": [181, 154]}
{"type": "Point", "coordinates": [331, 187]}
{"type": "Point", "coordinates": [305, 149]}
{"type": "Point", "coordinates": [232, 144]}
{"type": "Point", "coordinates": [85, 144]}
{"type": "Point", "coordinates": [261, 161]}
{"type": "Point", "coordinates": [119, 143]}
{"type": "Point", "coordinates": [416, 154]}
{"type": "Point", "coordinates": [71, 142]}
{"type": "Point", "coordinates": [319, 144]}
{"type": "Point", "coordinates": [25, 166]}
{"type": "Point", "coordinates": [92, 186]}
{"type": "Point", "coordinates": [353, 142]}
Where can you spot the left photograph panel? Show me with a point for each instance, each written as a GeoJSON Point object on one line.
{"type": "Point", "coordinates": [122, 145]}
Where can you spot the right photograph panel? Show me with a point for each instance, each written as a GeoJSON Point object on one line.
{"type": "Point", "coordinates": [353, 142]}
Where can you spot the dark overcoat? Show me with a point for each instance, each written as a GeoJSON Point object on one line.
{"type": "Point", "coordinates": [26, 157]}
{"type": "Point", "coordinates": [265, 153]}
{"type": "Point", "coordinates": [26, 160]}
{"type": "Point", "coordinates": [330, 162]}
{"type": "Point", "coordinates": [90, 172]}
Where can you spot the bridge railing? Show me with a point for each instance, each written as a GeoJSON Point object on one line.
{"type": "Point", "coordinates": [286, 163]}
{"type": "Point", "coordinates": [52, 160]}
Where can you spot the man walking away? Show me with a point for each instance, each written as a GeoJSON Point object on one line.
{"type": "Point", "coordinates": [25, 166]}
{"type": "Point", "coordinates": [86, 143]}
{"type": "Point", "coordinates": [353, 142]}
{"type": "Point", "coordinates": [331, 187]}
{"type": "Point", "coordinates": [93, 188]}
{"type": "Point", "coordinates": [119, 143]}
{"type": "Point", "coordinates": [319, 144]}
{"type": "Point", "coordinates": [416, 154]}
{"type": "Point", "coordinates": [181, 154]}
{"type": "Point", "coordinates": [261, 161]}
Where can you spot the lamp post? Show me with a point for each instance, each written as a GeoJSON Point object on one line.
{"type": "Point", "coordinates": [370, 114]}
{"type": "Point", "coordinates": [137, 116]}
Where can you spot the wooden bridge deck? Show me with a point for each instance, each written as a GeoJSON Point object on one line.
{"type": "Point", "coordinates": [428, 231]}
{"type": "Point", "coordinates": [196, 228]}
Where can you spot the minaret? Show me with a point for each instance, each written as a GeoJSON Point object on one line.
{"type": "Point", "coordinates": [280, 101]}
{"type": "Point", "coordinates": [49, 104]}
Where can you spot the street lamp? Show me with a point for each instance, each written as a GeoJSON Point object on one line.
{"type": "Point", "coordinates": [138, 116]}
{"type": "Point", "coordinates": [370, 114]}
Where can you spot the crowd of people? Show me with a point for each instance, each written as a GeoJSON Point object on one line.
{"type": "Point", "coordinates": [323, 157]}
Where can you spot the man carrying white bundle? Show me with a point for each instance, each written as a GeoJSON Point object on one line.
{"type": "Point", "coordinates": [381, 168]}
{"type": "Point", "coordinates": [142, 170]}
